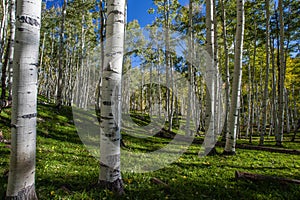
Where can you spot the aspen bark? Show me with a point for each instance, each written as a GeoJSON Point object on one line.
{"type": "Point", "coordinates": [266, 89]}
{"type": "Point", "coordinates": [21, 179]}
{"type": "Point", "coordinates": [190, 38]}
{"type": "Point", "coordinates": [60, 86]}
{"type": "Point", "coordinates": [110, 174]}
{"type": "Point", "coordinates": [227, 87]}
{"type": "Point", "coordinates": [211, 78]}
{"type": "Point", "coordinates": [3, 25]}
{"type": "Point", "coordinates": [236, 85]}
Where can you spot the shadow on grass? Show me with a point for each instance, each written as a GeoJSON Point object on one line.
{"type": "Point", "coordinates": [4, 152]}
{"type": "Point", "coordinates": [213, 189]}
{"type": "Point", "coordinates": [64, 136]}
{"type": "Point", "coordinates": [3, 183]}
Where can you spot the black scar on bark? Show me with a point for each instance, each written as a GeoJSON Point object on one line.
{"type": "Point", "coordinates": [28, 20]}
{"type": "Point", "coordinates": [108, 103]}
{"type": "Point", "coordinates": [29, 116]}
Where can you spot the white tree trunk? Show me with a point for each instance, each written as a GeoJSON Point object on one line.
{"type": "Point", "coordinates": [190, 39]}
{"type": "Point", "coordinates": [60, 86]}
{"type": "Point", "coordinates": [237, 79]}
{"type": "Point", "coordinates": [274, 92]}
{"type": "Point", "coordinates": [226, 62]}
{"type": "Point", "coordinates": [4, 8]}
{"type": "Point", "coordinates": [266, 90]}
{"type": "Point", "coordinates": [253, 86]}
{"type": "Point", "coordinates": [210, 79]}
{"type": "Point", "coordinates": [21, 180]}
{"type": "Point", "coordinates": [110, 174]}
{"type": "Point", "coordinates": [287, 111]}
{"type": "Point", "coordinates": [295, 116]}
{"type": "Point", "coordinates": [12, 45]}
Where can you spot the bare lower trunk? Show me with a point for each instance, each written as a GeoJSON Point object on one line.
{"type": "Point", "coordinates": [26, 193]}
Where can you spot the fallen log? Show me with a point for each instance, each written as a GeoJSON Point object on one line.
{"type": "Point", "coordinates": [159, 182]}
{"type": "Point", "coordinates": [259, 177]}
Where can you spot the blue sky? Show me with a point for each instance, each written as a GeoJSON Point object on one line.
{"type": "Point", "coordinates": [136, 9]}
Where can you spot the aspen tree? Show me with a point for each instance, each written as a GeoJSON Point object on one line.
{"type": "Point", "coordinates": [21, 179]}
{"type": "Point", "coordinates": [237, 79]}
{"type": "Point", "coordinates": [110, 172]}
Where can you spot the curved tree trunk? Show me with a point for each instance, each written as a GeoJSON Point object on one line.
{"type": "Point", "coordinates": [21, 179]}
{"type": "Point", "coordinates": [237, 79]}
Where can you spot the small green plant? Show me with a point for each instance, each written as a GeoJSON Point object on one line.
{"type": "Point", "coordinates": [66, 170]}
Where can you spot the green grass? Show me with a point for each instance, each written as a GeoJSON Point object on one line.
{"type": "Point", "coordinates": [66, 170]}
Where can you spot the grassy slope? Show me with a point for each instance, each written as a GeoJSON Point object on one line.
{"type": "Point", "coordinates": [66, 170]}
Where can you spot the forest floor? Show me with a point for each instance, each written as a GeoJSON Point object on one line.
{"type": "Point", "coordinates": [67, 170]}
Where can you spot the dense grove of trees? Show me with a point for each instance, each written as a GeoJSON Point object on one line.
{"type": "Point", "coordinates": [254, 45]}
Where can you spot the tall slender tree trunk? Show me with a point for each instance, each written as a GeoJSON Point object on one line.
{"type": "Point", "coordinates": [42, 72]}
{"type": "Point", "coordinates": [11, 47]}
{"type": "Point", "coordinates": [279, 137]}
{"type": "Point", "coordinates": [217, 101]}
{"type": "Point", "coordinates": [110, 172]}
{"type": "Point", "coordinates": [249, 95]}
{"type": "Point", "coordinates": [21, 179]}
{"type": "Point", "coordinates": [237, 79]}
{"type": "Point", "coordinates": [190, 39]}
{"type": "Point", "coordinates": [227, 82]}
{"type": "Point", "coordinates": [2, 42]}
{"type": "Point", "coordinates": [210, 79]}
{"type": "Point", "coordinates": [274, 93]}
{"type": "Point", "coordinates": [295, 113]}
{"type": "Point", "coordinates": [266, 89]}
{"type": "Point", "coordinates": [167, 56]}
{"type": "Point", "coordinates": [102, 37]}
{"type": "Point", "coordinates": [253, 86]}
{"type": "Point", "coordinates": [287, 110]}
{"type": "Point", "coordinates": [3, 25]}
{"type": "Point", "coordinates": [60, 86]}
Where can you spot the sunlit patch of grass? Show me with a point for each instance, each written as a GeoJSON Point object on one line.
{"type": "Point", "coordinates": [66, 170]}
{"type": "Point", "coordinates": [270, 141]}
